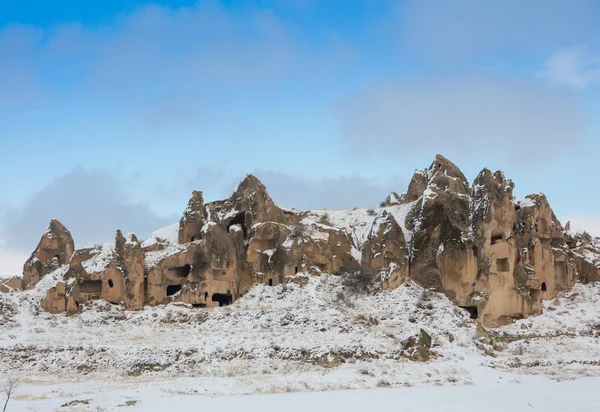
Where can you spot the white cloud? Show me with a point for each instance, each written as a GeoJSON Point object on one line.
{"type": "Point", "coordinates": [91, 204]}
{"type": "Point", "coordinates": [585, 223]}
{"type": "Point", "coordinates": [515, 118]}
{"type": "Point", "coordinates": [460, 28]}
{"type": "Point", "coordinates": [11, 263]}
{"type": "Point", "coordinates": [576, 66]}
{"type": "Point", "coordinates": [163, 64]}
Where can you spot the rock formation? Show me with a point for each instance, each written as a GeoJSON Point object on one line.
{"type": "Point", "coordinates": [385, 251]}
{"type": "Point", "coordinates": [441, 253]}
{"type": "Point", "coordinates": [192, 221]}
{"type": "Point", "coordinates": [55, 249]}
{"type": "Point", "coordinates": [496, 256]}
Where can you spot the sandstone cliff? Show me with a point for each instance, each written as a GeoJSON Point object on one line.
{"type": "Point", "coordinates": [495, 256]}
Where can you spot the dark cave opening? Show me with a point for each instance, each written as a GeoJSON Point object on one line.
{"type": "Point", "coordinates": [473, 312]}
{"type": "Point", "coordinates": [224, 299]}
{"type": "Point", "coordinates": [239, 219]}
{"type": "Point", "coordinates": [182, 271]}
{"type": "Point", "coordinates": [173, 289]}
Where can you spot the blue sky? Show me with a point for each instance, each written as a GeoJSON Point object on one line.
{"type": "Point", "coordinates": [111, 112]}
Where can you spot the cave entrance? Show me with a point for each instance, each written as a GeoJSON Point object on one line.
{"type": "Point", "coordinates": [173, 289]}
{"type": "Point", "coordinates": [473, 312]}
{"type": "Point", "coordinates": [224, 299]}
{"type": "Point", "coordinates": [198, 305]}
{"type": "Point", "coordinates": [502, 265]}
{"type": "Point", "coordinates": [295, 270]}
{"type": "Point", "coordinates": [91, 286]}
{"type": "Point", "coordinates": [544, 288]}
{"type": "Point", "coordinates": [182, 271]}
{"type": "Point", "coordinates": [57, 258]}
{"type": "Point", "coordinates": [239, 219]}
{"type": "Point", "coordinates": [497, 237]}
{"type": "Point", "coordinates": [270, 282]}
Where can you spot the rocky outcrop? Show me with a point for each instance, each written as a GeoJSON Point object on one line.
{"type": "Point", "coordinates": [440, 223]}
{"type": "Point", "coordinates": [11, 284]}
{"type": "Point", "coordinates": [385, 251]}
{"type": "Point", "coordinates": [192, 221]}
{"type": "Point", "coordinates": [56, 299]}
{"type": "Point", "coordinates": [417, 185]}
{"type": "Point", "coordinates": [204, 274]}
{"type": "Point", "coordinates": [584, 253]}
{"type": "Point", "coordinates": [54, 250]}
{"type": "Point", "coordinates": [392, 200]}
{"type": "Point", "coordinates": [249, 204]}
{"type": "Point", "coordinates": [123, 278]}
{"type": "Point", "coordinates": [495, 256]}
{"type": "Point", "coordinates": [493, 218]}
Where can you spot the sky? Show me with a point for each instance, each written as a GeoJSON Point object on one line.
{"type": "Point", "coordinates": [112, 112]}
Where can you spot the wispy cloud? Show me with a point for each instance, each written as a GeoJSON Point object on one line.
{"type": "Point", "coordinates": [166, 64]}
{"type": "Point", "coordinates": [91, 204]}
{"type": "Point", "coordinates": [576, 66]}
{"type": "Point", "coordinates": [516, 118]}
{"type": "Point", "coordinates": [454, 30]}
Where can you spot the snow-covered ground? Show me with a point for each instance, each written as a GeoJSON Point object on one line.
{"type": "Point", "coordinates": [277, 346]}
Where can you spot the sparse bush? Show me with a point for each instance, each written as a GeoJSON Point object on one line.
{"type": "Point", "coordinates": [9, 389]}
{"type": "Point", "coordinates": [361, 281]}
{"type": "Point", "coordinates": [371, 212]}
{"type": "Point", "coordinates": [383, 204]}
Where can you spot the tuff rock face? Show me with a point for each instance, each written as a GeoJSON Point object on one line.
{"type": "Point", "coordinates": [440, 220]}
{"type": "Point", "coordinates": [496, 256]}
{"type": "Point", "coordinates": [385, 251]}
{"type": "Point", "coordinates": [55, 249]}
{"type": "Point", "coordinates": [192, 221]}
{"type": "Point", "coordinates": [584, 253]}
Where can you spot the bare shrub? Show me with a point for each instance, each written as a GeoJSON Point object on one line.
{"type": "Point", "coordinates": [360, 281]}
{"type": "Point", "coordinates": [9, 389]}
{"type": "Point", "coordinates": [383, 204]}
{"type": "Point", "coordinates": [371, 212]}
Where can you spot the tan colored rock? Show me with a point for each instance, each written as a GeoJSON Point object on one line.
{"type": "Point", "coordinates": [249, 204]}
{"type": "Point", "coordinates": [266, 255]}
{"type": "Point", "coordinates": [319, 248]}
{"type": "Point", "coordinates": [493, 219]}
{"type": "Point", "coordinates": [584, 253]}
{"type": "Point", "coordinates": [385, 251]}
{"type": "Point", "coordinates": [493, 255]}
{"type": "Point", "coordinates": [203, 273]}
{"type": "Point", "coordinates": [54, 250]}
{"type": "Point", "coordinates": [392, 200]}
{"type": "Point", "coordinates": [416, 187]}
{"type": "Point", "coordinates": [56, 299]}
{"type": "Point", "coordinates": [193, 219]}
{"type": "Point", "coordinates": [543, 249]}
{"type": "Point", "coordinates": [440, 219]}
{"type": "Point", "coordinates": [123, 280]}
{"type": "Point", "coordinates": [11, 284]}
